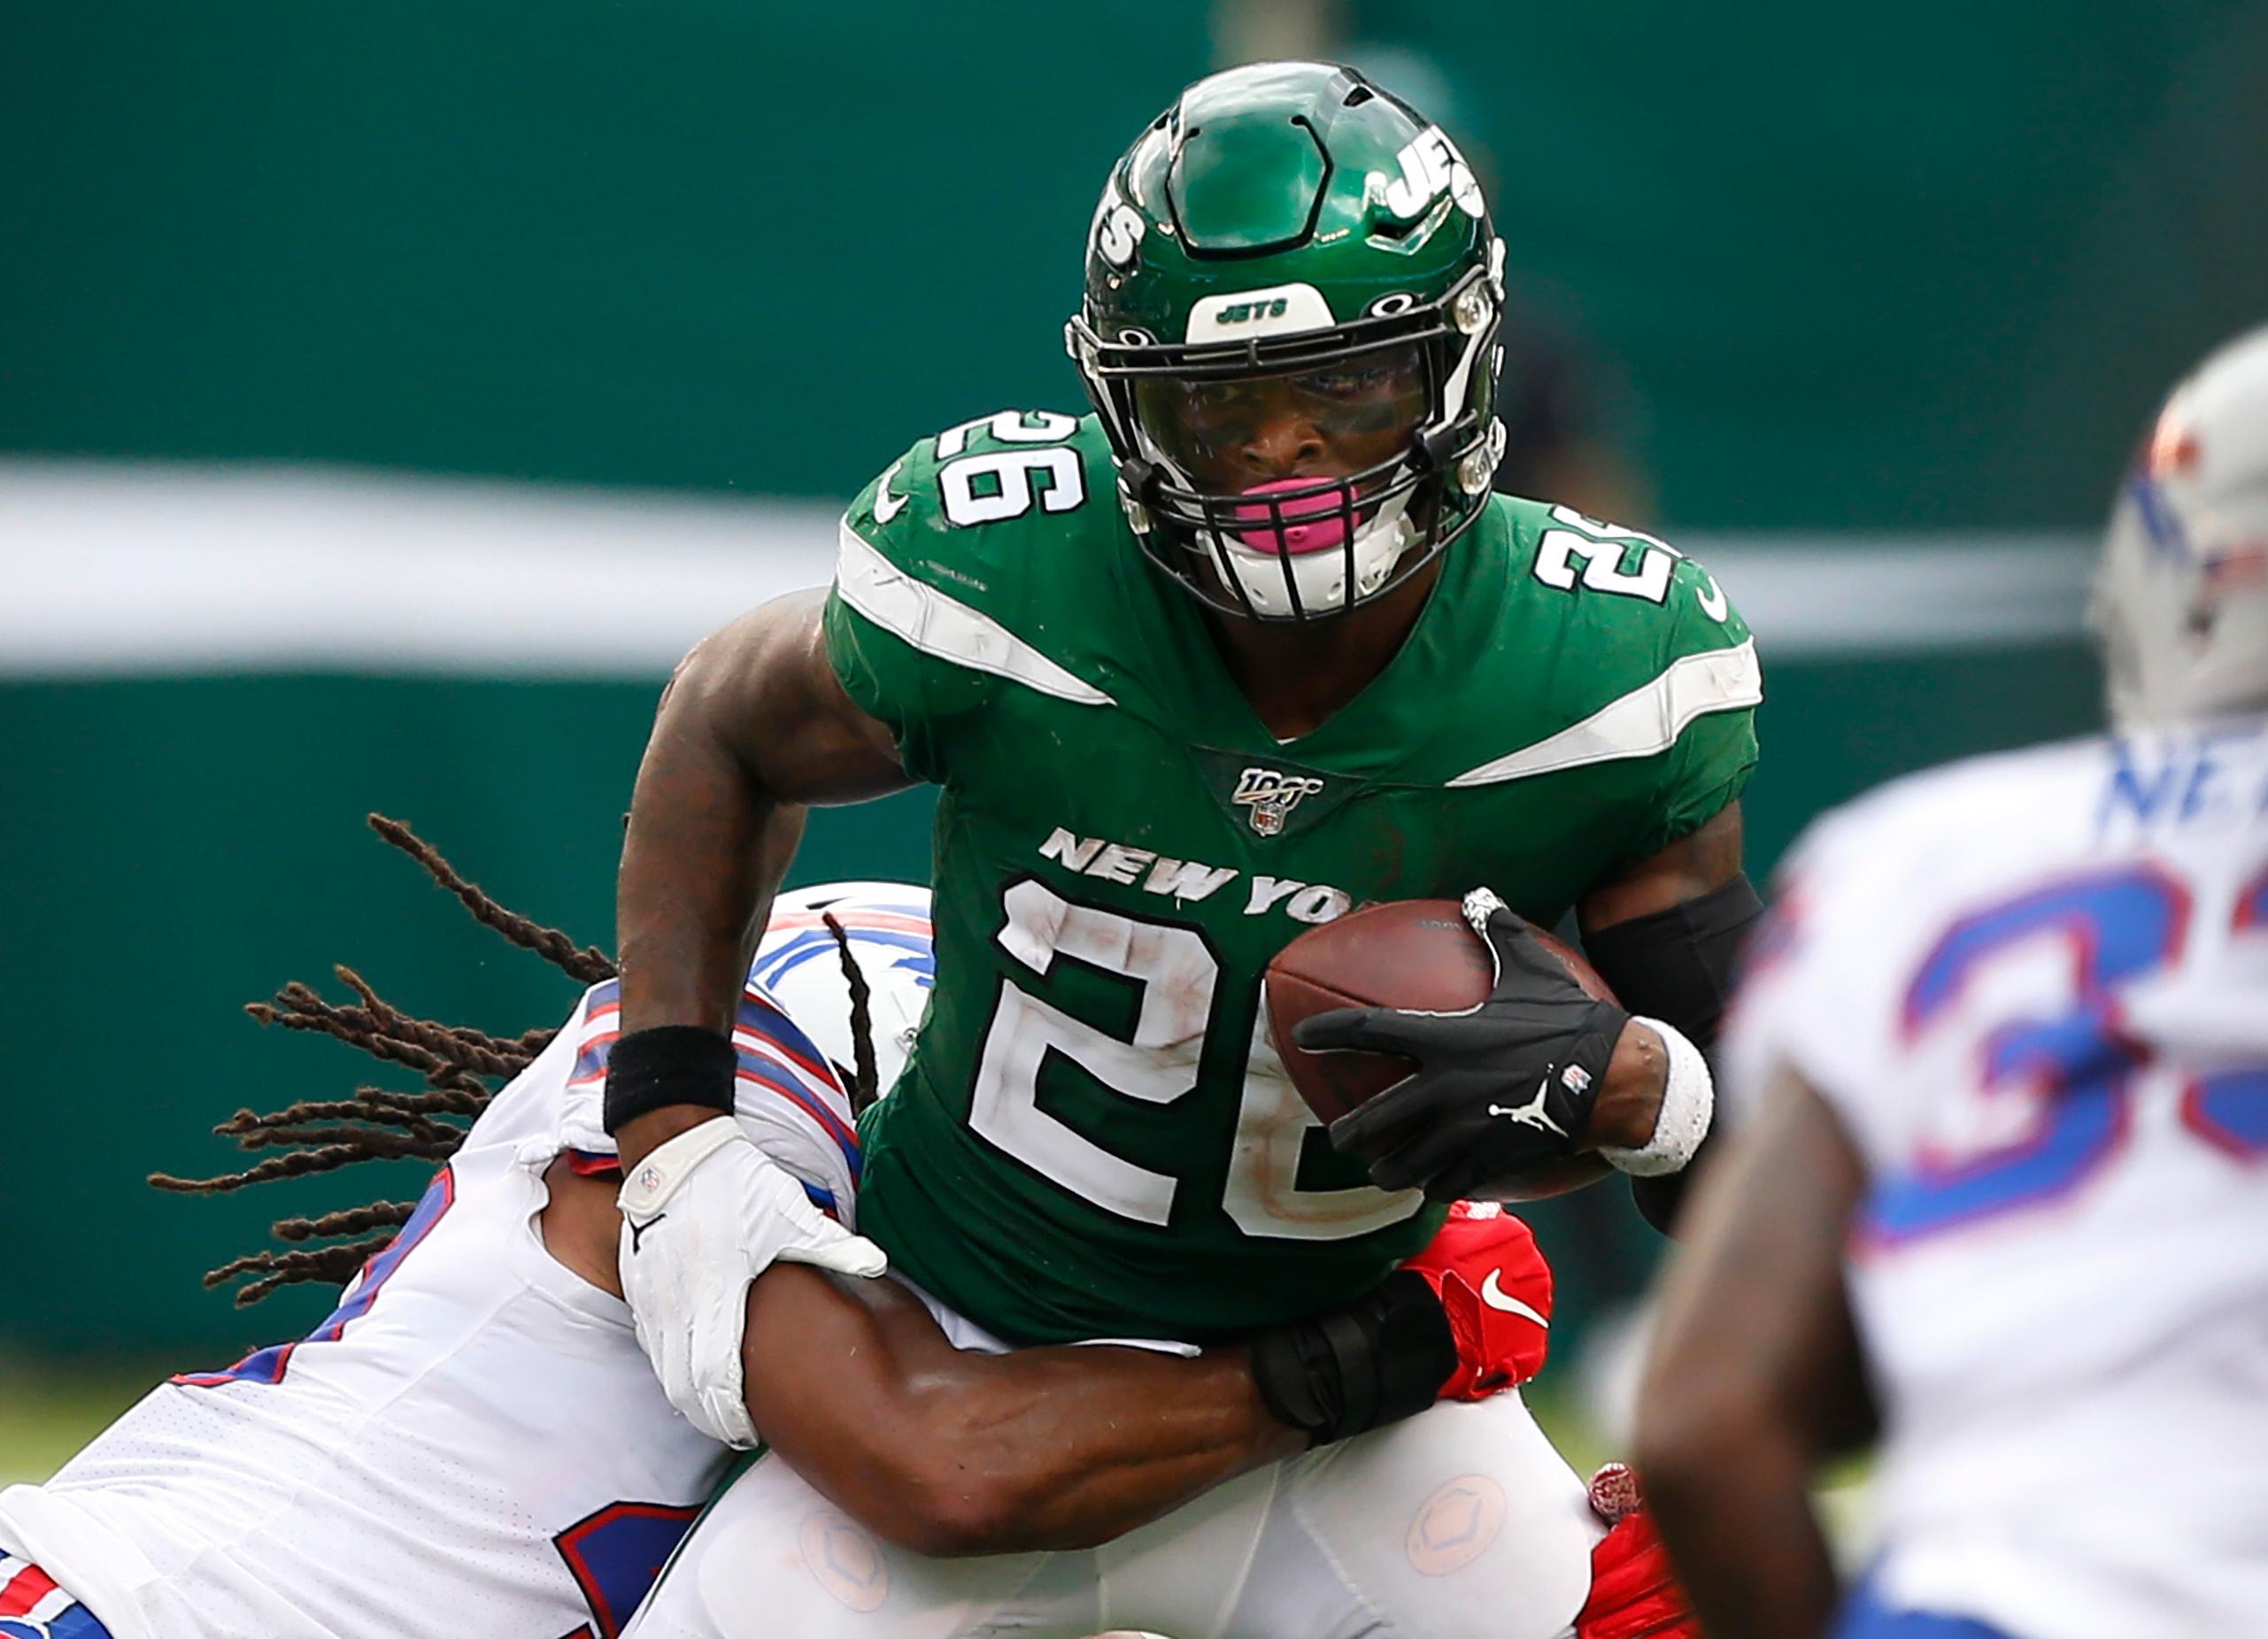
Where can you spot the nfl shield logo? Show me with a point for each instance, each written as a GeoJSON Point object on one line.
{"type": "Point", "coordinates": [1269, 798]}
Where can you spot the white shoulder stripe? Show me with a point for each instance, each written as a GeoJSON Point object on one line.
{"type": "Point", "coordinates": [1644, 722]}
{"type": "Point", "coordinates": [936, 625]}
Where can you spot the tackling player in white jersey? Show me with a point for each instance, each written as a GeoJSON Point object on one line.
{"type": "Point", "coordinates": [2009, 1032]}
{"type": "Point", "coordinates": [427, 1460]}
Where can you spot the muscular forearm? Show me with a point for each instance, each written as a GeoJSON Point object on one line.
{"type": "Point", "coordinates": [753, 725]}
{"type": "Point", "coordinates": [1071, 1447]}
{"type": "Point", "coordinates": [1735, 1510]}
{"type": "Point", "coordinates": [951, 1452]}
{"type": "Point", "coordinates": [1754, 1373]}
{"type": "Point", "coordinates": [706, 850]}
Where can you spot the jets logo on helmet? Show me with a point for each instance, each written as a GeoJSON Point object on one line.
{"type": "Point", "coordinates": [1274, 310]}
{"type": "Point", "coordinates": [1117, 230]}
{"type": "Point", "coordinates": [1289, 334]}
{"type": "Point", "coordinates": [1243, 312]}
{"type": "Point", "coordinates": [1430, 166]}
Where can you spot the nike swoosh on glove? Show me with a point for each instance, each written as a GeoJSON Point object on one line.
{"type": "Point", "coordinates": [1495, 1287]}
{"type": "Point", "coordinates": [1500, 1086]}
{"type": "Point", "coordinates": [704, 1215]}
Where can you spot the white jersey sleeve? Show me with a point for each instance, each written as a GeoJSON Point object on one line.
{"type": "Point", "coordinates": [791, 1097]}
{"type": "Point", "coordinates": [788, 1099]}
{"type": "Point", "coordinates": [2034, 991]}
{"type": "Point", "coordinates": [473, 1443]}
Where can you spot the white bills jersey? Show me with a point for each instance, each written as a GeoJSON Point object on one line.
{"type": "Point", "coordinates": [2035, 989]}
{"type": "Point", "coordinates": [472, 1444]}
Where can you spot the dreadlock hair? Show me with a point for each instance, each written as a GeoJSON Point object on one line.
{"type": "Point", "coordinates": [456, 1064]}
{"type": "Point", "coordinates": [864, 1077]}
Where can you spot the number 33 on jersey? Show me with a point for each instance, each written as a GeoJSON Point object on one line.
{"type": "Point", "coordinates": [1092, 1138]}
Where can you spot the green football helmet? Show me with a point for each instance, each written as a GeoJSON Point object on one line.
{"type": "Point", "coordinates": [1291, 270]}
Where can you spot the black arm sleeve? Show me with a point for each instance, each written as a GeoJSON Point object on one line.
{"type": "Point", "coordinates": [1676, 966]}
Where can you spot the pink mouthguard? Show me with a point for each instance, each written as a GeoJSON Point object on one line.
{"type": "Point", "coordinates": [1326, 529]}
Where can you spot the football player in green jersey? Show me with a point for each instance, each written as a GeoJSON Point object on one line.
{"type": "Point", "coordinates": [1250, 645]}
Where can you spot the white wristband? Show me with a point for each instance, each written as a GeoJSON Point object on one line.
{"type": "Point", "coordinates": [1688, 1101]}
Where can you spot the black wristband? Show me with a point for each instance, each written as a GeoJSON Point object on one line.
{"type": "Point", "coordinates": [668, 1065]}
{"type": "Point", "coordinates": [1677, 964]}
{"type": "Point", "coordinates": [1379, 1360]}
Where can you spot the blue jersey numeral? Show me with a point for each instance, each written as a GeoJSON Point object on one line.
{"type": "Point", "coordinates": [615, 1554]}
{"type": "Point", "coordinates": [2078, 1065]}
{"type": "Point", "coordinates": [2229, 1109]}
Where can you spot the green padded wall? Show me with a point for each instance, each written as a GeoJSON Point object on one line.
{"type": "Point", "coordinates": [1888, 267]}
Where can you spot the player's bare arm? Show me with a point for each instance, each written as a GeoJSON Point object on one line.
{"type": "Point", "coordinates": [947, 1452]}
{"type": "Point", "coordinates": [753, 726]}
{"type": "Point", "coordinates": [1754, 1374]}
{"type": "Point", "coordinates": [950, 1452]}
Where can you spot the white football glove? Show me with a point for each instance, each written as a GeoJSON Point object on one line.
{"type": "Point", "coordinates": [702, 1216]}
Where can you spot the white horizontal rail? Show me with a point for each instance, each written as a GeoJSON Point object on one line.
{"type": "Point", "coordinates": [109, 569]}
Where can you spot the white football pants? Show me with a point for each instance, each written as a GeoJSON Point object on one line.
{"type": "Point", "coordinates": [1460, 1521]}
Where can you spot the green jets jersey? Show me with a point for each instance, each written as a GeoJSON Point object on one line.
{"type": "Point", "coordinates": [1093, 1137]}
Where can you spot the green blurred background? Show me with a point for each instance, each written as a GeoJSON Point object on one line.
{"type": "Point", "coordinates": [1882, 296]}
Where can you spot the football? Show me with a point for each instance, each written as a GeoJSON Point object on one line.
{"type": "Point", "coordinates": [1414, 953]}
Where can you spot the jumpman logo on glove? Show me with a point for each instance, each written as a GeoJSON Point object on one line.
{"type": "Point", "coordinates": [1532, 1113]}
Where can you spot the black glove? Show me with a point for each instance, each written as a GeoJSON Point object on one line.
{"type": "Point", "coordinates": [1499, 1088]}
{"type": "Point", "coordinates": [1382, 1357]}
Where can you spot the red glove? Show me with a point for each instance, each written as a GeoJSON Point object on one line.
{"type": "Point", "coordinates": [1634, 1595]}
{"type": "Point", "coordinates": [1495, 1286]}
